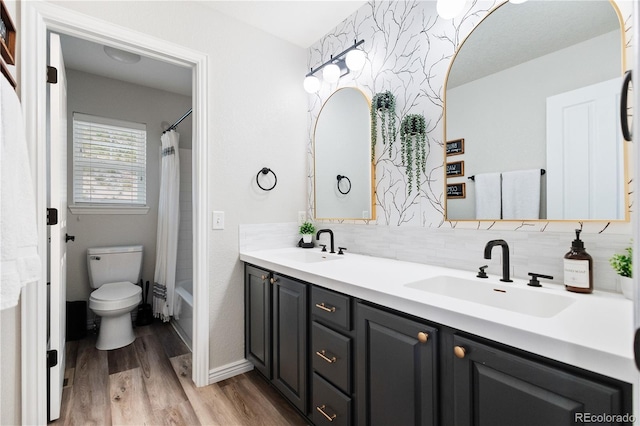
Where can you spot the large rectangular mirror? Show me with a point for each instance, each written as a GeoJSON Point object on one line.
{"type": "Point", "coordinates": [536, 86]}
{"type": "Point", "coordinates": [343, 179]}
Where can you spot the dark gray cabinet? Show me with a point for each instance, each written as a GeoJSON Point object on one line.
{"type": "Point", "coordinates": [276, 331]}
{"type": "Point", "coordinates": [290, 355]}
{"type": "Point", "coordinates": [493, 387]}
{"type": "Point", "coordinates": [257, 324]}
{"type": "Point", "coordinates": [331, 358]}
{"type": "Point", "coordinates": [397, 369]}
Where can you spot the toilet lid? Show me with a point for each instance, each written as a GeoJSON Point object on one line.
{"type": "Point", "coordinates": [116, 291]}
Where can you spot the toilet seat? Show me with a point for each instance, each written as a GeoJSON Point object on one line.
{"type": "Point", "coordinates": [112, 296]}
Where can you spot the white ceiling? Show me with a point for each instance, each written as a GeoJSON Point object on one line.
{"type": "Point", "coordinates": [300, 22]}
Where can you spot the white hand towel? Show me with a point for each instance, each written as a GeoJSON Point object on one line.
{"type": "Point", "coordinates": [521, 194]}
{"type": "Point", "coordinates": [488, 200]}
{"type": "Point", "coordinates": [20, 262]}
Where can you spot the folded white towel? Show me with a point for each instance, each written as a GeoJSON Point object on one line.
{"type": "Point", "coordinates": [521, 194]}
{"type": "Point", "coordinates": [20, 262]}
{"type": "Point", "coordinates": [488, 200]}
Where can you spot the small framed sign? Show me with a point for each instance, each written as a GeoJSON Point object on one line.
{"type": "Point", "coordinates": [455, 147]}
{"type": "Point", "coordinates": [456, 190]}
{"type": "Point", "coordinates": [455, 169]}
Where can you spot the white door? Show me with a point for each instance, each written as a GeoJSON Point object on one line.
{"type": "Point", "coordinates": [57, 199]}
{"type": "Point", "coordinates": [583, 129]}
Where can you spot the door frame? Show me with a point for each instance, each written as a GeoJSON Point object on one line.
{"type": "Point", "coordinates": [37, 18]}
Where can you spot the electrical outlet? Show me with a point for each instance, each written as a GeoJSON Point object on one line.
{"type": "Point", "coordinates": [218, 220]}
{"type": "Point", "coordinates": [302, 217]}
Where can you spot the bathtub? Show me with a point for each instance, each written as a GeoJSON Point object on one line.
{"type": "Point", "coordinates": [183, 311]}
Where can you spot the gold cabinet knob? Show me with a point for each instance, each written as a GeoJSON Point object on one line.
{"type": "Point", "coordinates": [264, 277]}
{"type": "Point", "coordinates": [459, 351]}
{"type": "Point", "coordinates": [273, 280]}
{"type": "Point", "coordinates": [423, 337]}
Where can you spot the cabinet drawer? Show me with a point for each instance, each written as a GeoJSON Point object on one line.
{"type": "Point", "coordinates": [331, 354]}
{"type": "Point", "coordinates": [330, 406]}
{"type": "Point", "coordinates": [331, 307]}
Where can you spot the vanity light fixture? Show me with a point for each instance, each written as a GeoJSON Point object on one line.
{"type": "Point", "coordinates": [336, 67]}
{"type": "Point", "coordinates": [121, 55]}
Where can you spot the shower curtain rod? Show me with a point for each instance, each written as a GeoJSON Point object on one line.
{"type": "Point", "coordinates": [174, 125]}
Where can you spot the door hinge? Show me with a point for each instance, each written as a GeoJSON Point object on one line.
{"type": "Point", "coordinates": [52, 216]}
{"type": "Point", "coordinates": [52, 75]}
{"type": "Point", "coordinates": [52, 358]}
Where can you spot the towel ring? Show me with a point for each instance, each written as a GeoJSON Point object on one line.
{"type": "Point", "coordinates": [340, 177]}
{"type": "Point", "coordinates": [264, 171]}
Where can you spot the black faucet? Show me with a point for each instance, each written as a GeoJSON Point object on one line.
{"type": "Point", "coordinates": [505, 257]}
{"type": "Point", "coordinates": [330, 234]}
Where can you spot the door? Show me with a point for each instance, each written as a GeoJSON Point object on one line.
{"type": "Point", "coordinates": [396, 359]}
{"type": "Point", "coordinates": [257, 321]}
{"type": "Point", "coordinates": [493, 387]}
{"type": "Point", "coordinates": [290, 339]}
{"type": "Point", "coordinates": [57, 199]}
{"type": "Point", "coordinates": [583, 129]}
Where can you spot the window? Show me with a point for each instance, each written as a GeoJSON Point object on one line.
{"type": "Point", "coordinates": [109, 162]}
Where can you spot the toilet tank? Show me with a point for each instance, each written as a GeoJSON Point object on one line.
{"type": "Point", "coordinates": [114, 264]}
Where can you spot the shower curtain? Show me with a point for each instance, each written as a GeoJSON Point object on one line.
{"type": "Point", "coordinates": [168, 221]}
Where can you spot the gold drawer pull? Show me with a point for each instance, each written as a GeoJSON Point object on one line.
{"type": "Point", "coordinates": [322, 355]}
{"type": "Point", "coordinates": [321, 410]}
{"type": "Point", "coordinates": [325, 308]}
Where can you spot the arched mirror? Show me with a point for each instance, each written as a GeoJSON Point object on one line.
{"type": "Point", "coordinates": [343, 168]}
{"type": "Point", "coordinates": [536, 86]}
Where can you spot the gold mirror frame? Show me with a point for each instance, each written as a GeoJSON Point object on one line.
{"type": "Point", "coordinates": [626, 158]}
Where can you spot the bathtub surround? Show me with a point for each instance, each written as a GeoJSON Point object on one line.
{"type": "Point", "coordinates": [184, 266]}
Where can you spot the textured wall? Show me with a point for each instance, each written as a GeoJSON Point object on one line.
{"type": "Point", "coordinates": [409, 53]}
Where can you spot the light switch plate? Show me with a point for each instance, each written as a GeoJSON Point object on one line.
{"type": "Point", "coordinates": [302, 217]}
{"type": "Point", "coordinates": [218, 220]}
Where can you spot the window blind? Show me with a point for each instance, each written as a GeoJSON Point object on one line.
{"type": "Point", "coordinates": [109, 161]}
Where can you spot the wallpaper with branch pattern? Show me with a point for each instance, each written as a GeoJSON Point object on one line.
{"type": "Point", "coordinates": [409, 51]}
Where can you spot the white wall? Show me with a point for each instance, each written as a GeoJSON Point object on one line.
{"type": "Point", "coordinates": [96, 95]}
{"type": "Point", "coordinates": [257, 119]}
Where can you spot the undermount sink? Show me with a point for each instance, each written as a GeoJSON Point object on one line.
{"type": "Point", "coordinates": [525, 301]}
{"type": "Point", "coordinates": [310, 257]}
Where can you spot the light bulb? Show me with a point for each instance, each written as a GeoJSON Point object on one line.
{"type": "Point", "coordinates": [121, 55]}
{"type": "Point", "coordinates": [311, 84]}
{"type": "Point", "coordinates": [448, 9]}
{"type": "Point", "coordinates": [331, 73]}
{"type": "Point", "coordinates": [355, 59]}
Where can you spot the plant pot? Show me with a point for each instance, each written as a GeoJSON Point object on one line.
{"type": "Point", "coordinates": [306, 238]}
{"type": "Point", "coordinates": [626, 285]}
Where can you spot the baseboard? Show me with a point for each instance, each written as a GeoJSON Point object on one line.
{"type": "Point", "coordinates": [229, 370]}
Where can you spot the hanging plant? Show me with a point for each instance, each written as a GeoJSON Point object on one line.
{"type": "Point", "coordinates": [383, 105]}
{"type": "Point", "coordinates": [413, 136]}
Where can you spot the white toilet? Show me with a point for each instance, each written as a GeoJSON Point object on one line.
{"type": "Point", "coordinates": [113, 272]}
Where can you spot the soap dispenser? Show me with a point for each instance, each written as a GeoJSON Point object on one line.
{"type": "Point", "coordinates": [578, 267]}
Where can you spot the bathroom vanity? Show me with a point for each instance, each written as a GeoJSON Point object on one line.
{"type": "Point", "coordinates": [362, 340]}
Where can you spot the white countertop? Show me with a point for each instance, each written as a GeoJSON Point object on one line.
{"type": "Point", "coordinates": [595, 332]}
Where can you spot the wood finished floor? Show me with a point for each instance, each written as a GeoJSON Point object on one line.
{"type": "Point", "coordinates": [149, 383]}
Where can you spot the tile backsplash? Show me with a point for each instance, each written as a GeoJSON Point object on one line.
{"type": "Point", "coordinates": [539, 252]}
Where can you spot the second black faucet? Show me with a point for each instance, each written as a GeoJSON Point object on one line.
{"type": "Point", "coordinates": [322, 231]}
{"type": "Point", "coordinates": [505, 257]}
